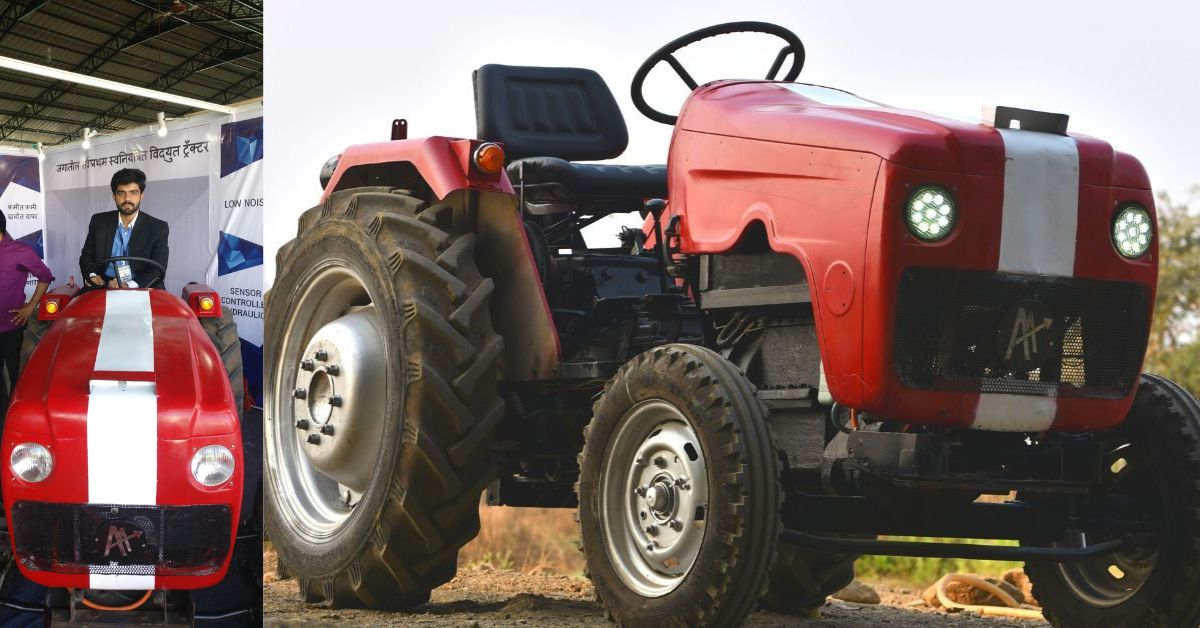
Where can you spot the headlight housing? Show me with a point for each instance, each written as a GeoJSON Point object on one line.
{"type": "Point", "coordinates": [212, 465]}
{"type": "Point", "coordinates": [930, 213]}
{"type": "Point", "coordinates": [1132, 230]}
{"type": "Point", "coordinates": [31, 462]}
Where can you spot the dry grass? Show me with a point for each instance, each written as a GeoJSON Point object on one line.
{"type": "Point", "coordinates": [530, 540]}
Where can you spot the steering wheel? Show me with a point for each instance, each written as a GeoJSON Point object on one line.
{"type": "Point", "coordinates": [88, 285]}
{"type": "Point", "coordinates": [667, 53]}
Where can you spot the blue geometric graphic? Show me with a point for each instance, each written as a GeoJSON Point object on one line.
{"type": "Point", "coordinates": [34, 240]}
{"type": "Point", "coordinates": [234, 254]}
{"type": "Point", "coordinates": [241, 144]}
{"type": "Point", "coordinates": [20, 170]}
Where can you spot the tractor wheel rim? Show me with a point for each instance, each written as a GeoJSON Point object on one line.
{"type": "Point", "coordinates": [324, 452]}
{"type": "Point", "coordinates": [1111, 580]}
{"type": "Point", "coordinates": [654, 498]}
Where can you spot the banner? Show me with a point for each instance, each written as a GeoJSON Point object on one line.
{"type": "Point", "coordinates": [204, 179]}
{"type": "Point", "coordinates": [237, 212]}
{"type": "Point", "coordinates": [22, 203]}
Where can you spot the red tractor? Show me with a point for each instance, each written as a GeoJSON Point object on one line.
{"type": "Point", "coordinates": [841, 320]}
{"type": "Point", "coordinates": [126, 488]}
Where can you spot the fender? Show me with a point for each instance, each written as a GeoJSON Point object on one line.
{"type": "Point", "coordinates": [442, 165]}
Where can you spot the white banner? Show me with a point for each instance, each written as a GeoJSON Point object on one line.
{"type": "Point", "coordinates": [237, 218]}
{"type": "Point", "coordinates": [22, 202]}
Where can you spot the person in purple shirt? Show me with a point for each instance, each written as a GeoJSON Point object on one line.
{"type": "Point", "coordinates": [17, 262]}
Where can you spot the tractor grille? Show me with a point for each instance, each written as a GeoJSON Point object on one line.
{"type": "Point", "coordinates": [972, 331]}
{"type": "Point", "coordinates": [124, 540]}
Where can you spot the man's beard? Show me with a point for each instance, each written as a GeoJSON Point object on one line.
{"type": "Point", "coordinates": [128, 209]}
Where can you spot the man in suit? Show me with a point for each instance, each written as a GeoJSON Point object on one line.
{"type": "Point", "coordinates": [126, 231]}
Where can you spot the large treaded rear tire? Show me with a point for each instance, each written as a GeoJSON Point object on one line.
{"type": "Point", "coordinates": [441, 405]}
{"type": "Point", "coordinates": [741, 527]}
{"type": "Point", "coordinates": [1165, 420]}
{"type": "Point", "coordinates": [224, 335]}
{"type": "Point", "coordinates": [801, 580]}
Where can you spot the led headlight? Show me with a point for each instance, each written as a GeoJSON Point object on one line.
{"type": "Point", "coordinates": [31, 462]}
{"type": "Point", "coordinates": [1132, 231]}
{"type": "Point", "coordinates": [930, 213]}
{"type": "Point", "coordinates": [212, 465]}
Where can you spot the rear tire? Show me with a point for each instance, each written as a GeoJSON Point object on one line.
{"type": "Point", "coordinates": [1160, 583]}
{"type": "Point", "coordinates": [802, 580]}
{"type": "Point", "coordinates": [408, 267]}
{"type": "Point", "coordinates": [692, 397]}
{"type": "Point", "coordinates": [224, 335]}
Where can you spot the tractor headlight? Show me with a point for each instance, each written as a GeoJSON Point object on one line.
{"type": "Point", "coordinates": [1132, 230]}
{"type": "Point", "coordinates": [31, 462]}
{"type": "Point", "coordinates": [212, 465]}
{"type": "Point", "coordinates": [930, 213]}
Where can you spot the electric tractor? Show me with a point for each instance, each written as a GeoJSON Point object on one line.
{"type": "Point", "coordinates": [126, 483]}
{"type": "Point", "coordinates": [839, 322]}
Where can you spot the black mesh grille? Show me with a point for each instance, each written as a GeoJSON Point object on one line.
{"type": "Point", "coordinates": [127, 540]}
{"type": "Point", "coordinates": [952, 329]}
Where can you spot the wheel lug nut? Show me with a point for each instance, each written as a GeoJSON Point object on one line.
{"type": "Point", "coordinates": [652, 530]}
{"type": "Point", "coordinates": [335, 401]}
{"type": "Point", "coordinates": [676, 525]}
{"type": "Point", "coordinates": [639, 461]}
{"type": "Point", "coordinates": [302, 424]}
{"type": "Point", "coordinates": [327, 429]}
{"type": "Point", "coordinates": [300, 393]}
{"type": "Point", "coordinates": [649, 547]}
{"type": "Point", "coordinates": [333, 369]}
{"type": "Point", "coordinates": [321, 355]}
{"type": "Point", "coordinates": [639, 491]}
{"type": "Point", "coordinates": [660, 462]}
{"type": "Point", "coordinates": [314, 439]}
{"type": "Point", "coordinates": [307, 364]}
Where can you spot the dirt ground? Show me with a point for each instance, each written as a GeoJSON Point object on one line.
{"type": "Point", "coordinates": [485, 597]}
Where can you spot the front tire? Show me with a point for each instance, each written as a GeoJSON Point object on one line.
{"type": "Point", "coordinates": [378, 303]}
{"type": "Point", "coordinates": [1154, 459]}
{"type": "Point", "coordinates": [679, 491]}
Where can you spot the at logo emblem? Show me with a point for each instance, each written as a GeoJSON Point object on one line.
{"type": "Point", "coordinates": [1023, 338]}
{"type": "Point", "coordinates": [119, 539]}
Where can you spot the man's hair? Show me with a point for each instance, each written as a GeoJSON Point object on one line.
{"type": "Point", "coordinates": [3, 223]}
{"type": "Point", "coordinates": [128, 175]}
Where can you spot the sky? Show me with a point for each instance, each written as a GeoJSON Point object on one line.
{"type": "Point", "coordinates": [1126, 72]}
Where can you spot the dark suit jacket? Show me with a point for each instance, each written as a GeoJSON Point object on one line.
{"type": "Point", "coordinates": [148, 239]}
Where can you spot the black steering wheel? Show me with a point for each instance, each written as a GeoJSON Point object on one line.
{"type": "Point", "coordinates": [88, 285]}
{"type": "Point", "coordinates": [666, 53]}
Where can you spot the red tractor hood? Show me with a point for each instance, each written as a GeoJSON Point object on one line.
{"type": "Point", "coordinates": [812, 115]}
{"type": "Point", "coordinates": [125, 338]}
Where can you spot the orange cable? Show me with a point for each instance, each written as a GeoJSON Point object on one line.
{"type": "Point", "coordinates": [128, 607]}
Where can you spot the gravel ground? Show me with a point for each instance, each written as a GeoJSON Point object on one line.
{"type": "Point", "coordinates": [486, 597]}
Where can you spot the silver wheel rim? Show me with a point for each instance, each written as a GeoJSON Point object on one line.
{"type": "Point", "coordinates": [328, 401]}
{"type": "Point", "coordinates": [654, 498]}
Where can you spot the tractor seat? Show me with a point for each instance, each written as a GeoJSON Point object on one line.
{"type": "Point", "coordinates": [554, 180]}
{"type": "Point", "coordinates": [547, 117]}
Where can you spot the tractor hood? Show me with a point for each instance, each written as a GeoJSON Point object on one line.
{"type": "Point", "coordinates": [144, 341]}
{"type": "Point", "coordinates": [812, 115]}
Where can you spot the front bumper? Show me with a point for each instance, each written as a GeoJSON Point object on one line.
{"type": "Point", "coordinates": [119, 546]}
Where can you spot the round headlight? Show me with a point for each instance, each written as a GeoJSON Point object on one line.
{"type": "Point", "coordinates": [1132, 230]}
{"type": "Point", "coordinates": [31, 462]}
{"type": "Point", "coordinates": [212, 465]}
{"type": "Point", "coordinates": [930, 213]}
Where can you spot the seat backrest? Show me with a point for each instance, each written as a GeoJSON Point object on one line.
{"type": "Point", "coordinates": [567, 113]}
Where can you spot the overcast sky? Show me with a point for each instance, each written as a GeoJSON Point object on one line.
{"type": "Point", "coordinates": [337, 74]}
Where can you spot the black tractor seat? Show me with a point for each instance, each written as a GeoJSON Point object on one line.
{"type": "Point", "coordinates": [546, 117]}
{"type": "Point", "coordinates": [550, 180]}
